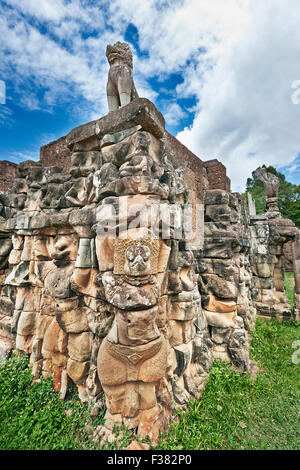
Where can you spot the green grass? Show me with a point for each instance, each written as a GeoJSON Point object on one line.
{"type": "Point", "coordinates": [32, 417]}
{"type": "Point", "coordinates": [289, 284]}
{"type": "Point", "coordinates": [233, 412]}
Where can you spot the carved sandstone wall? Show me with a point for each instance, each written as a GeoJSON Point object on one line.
{"type": "Point", "coordinates": [94, 309]}
{"type": "Point", "coordinates": [216, 175]}
{"type": "Point", "coordinates": [134, 317]}
{"type": "Point", "coordinates": [122, 317]}
{"type": "Point", "coordinates": [56, 153]}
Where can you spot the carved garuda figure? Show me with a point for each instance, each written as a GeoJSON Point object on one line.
{"type": "Point", "coordinates": [120, 86]}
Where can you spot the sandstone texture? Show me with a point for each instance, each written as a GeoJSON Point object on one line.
{"type": "Point", "coordinates": [105, 284]}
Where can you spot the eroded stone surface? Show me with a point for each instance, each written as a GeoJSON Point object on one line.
{"type": "Point", "coordinates": [130, 311]}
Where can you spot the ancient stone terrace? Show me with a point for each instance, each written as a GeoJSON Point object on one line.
{"type": "Point", "coordinates": [134, 314]}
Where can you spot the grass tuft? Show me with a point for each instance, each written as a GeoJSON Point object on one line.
{"type": "Point", "coordinates": [32, 416]}
{"type": "Point", "coordinates": [233, 412]}
{"type": "Point", "coordinates": [289, 285]}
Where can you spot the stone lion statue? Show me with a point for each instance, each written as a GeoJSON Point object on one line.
{"type": "Point", "coordinates": [120, 85]}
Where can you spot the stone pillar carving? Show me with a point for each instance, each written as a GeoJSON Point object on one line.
{"type": "Point", "coordinates": [225, 278]}
{"type": "Point", "coordinates": [149, 357]}
{"type": "Point", "coordinates": [251, 205]}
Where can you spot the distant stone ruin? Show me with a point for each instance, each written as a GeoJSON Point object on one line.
{"type": "Point", "coordinates": [8, 173]}
{"type": "Point", "coordinates": [269, 233]}
{"type": "Point", "coordinates": [102, 284]}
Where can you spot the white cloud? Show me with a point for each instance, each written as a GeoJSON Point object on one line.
{"type": "Point", "coordinates": [172, 112]}
{"type": "Point", "coordinates": [247, 116]}
{"type": "Point", "coordinates": [61, 62]}
{"type": "Point", "coordinates": [37, 61]}
{"type": "Point", "coordinates": [293, 168]}
{"type": "Point", "coordinates": [30, 101]}
{"type": "Point", "coordinates": [53, 10]}
{"type": "Point", "coordinates": [18, 157]}
{"type": "Point", "coordinates": [57, 11]}
{"type": "Point", "coordinates": [6, 116]}
{"type": "Point", "coordinates": [238, 59]}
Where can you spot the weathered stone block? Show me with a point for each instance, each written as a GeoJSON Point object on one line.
{"type": "Point", "coordinates": [216, 197]}
{"type": "Point", "coordinates": [181, 332]}
{"type": "Point", "coordinates": [220, 351]}
{"type": "Point", "coordinates": [139, 112]}
{"type": "Point", "coordinates": [220, 335]}
{"type": "Point", "coordinates": [5, 327]}
{"type": "Point", "coordinates": [183, 357]}
{"type": "Point", "coordinates": [220, 320]}
{"type": "Point", "coordinates": [6, 347]}
{"type": "Point", "coordinates": [24, 343]}
{"type": "Point", "coordinates": [55, 340]}
{"type": "Point", "coordinates": [77, 370]}
{"type": "Point", "coordinates": [183, 310]}
{"type": "Point", "coordinates": [26, 323]}
{"type": "Point", "coordinates": [73, 321]}
{"type": "Point", "coordinates": [6, 306]}
{"type": "Point", "coordinates": [220, 287]}
{"type": "Point", "coordinates": [79, 346]}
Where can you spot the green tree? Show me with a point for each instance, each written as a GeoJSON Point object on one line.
{"type": "Point", "coordinates": [288, 195]}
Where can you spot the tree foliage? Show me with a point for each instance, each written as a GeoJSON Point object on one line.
{"type": "Point", "coordinates": [288, 195]}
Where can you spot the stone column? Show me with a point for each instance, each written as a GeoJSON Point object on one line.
{"type": "Point", "coordinates": [223, 279]}
{"type": "Point", "coordinates": [296, 262]}
{"type": "Point", "coordinates": [251, 205]}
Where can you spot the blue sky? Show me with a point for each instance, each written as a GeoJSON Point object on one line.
{"type": "Point", "coordinates": [220, 72]}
